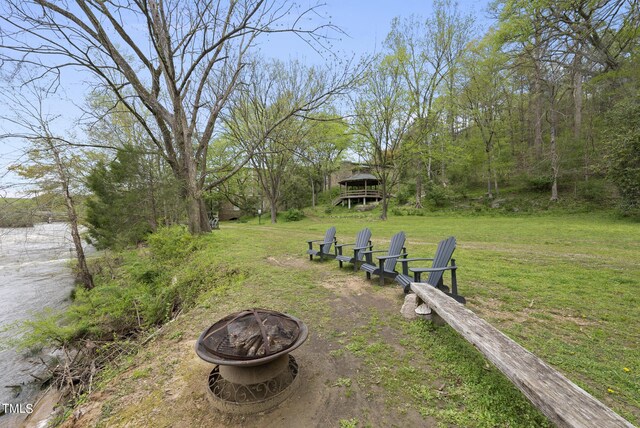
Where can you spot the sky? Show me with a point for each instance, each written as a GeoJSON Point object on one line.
{"type": "Point", "coordinates": [365, 22]}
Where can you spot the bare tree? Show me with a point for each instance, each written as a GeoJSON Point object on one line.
{"type": "Point", "coordinates": [173, 64]}
{"type": "Point", "coordinates": [50, 163]}
{"type": "Point", "coordinates": [266, 118]}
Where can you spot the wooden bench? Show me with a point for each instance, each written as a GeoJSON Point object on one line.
{"type": "Point", "coordinates": [562, 401]}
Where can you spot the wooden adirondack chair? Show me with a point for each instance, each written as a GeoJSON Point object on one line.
{"type": "Point", "coordinates": [386, 264]}
{"type": "Point", "coordinates": [363, 242]}
{"type": "Point", "coordinates": [324, 249]}
{"type": "Point", "coordinates": [440, 264]}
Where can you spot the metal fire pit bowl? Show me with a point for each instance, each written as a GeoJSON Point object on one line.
{"type": "Point", "coordinates": [207, 354]}
{"type": "Point", "coordinates": [242, 383]}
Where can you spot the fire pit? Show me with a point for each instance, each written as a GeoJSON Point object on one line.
{"type": "Point", "coordinates": [254, 371]}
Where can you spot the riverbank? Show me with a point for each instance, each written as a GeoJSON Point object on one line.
{"type": "Point", "coordinates": [34, 277]}
{"type": "Point", "coordinates": [363, 364]}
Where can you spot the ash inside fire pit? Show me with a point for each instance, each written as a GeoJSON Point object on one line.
{"type": "Point", "coordinates": [251, 334]}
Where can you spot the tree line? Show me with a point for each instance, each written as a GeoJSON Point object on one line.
{"type": "Point", "coordinates": [184, 114]}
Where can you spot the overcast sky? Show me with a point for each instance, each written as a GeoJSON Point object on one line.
{"type": "Point", "coordinates": [365, 22]}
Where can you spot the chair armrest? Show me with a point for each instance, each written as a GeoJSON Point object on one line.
{"type": "Point", "coordinates": [413, 260]}
{"type": "Point", "coordinates": [422, 270]}
{"type": "Point", "coordinates": [362, 248]}
{"type": "Point", "coordinates": [343, 245]}
{"type": "Point", "coordinates": [376, 251]}
{"type": "Point", "coordinates": [391, 257]}
{"type": "Point", "coordinates": [405, 263]}
{"type": "Point", "coordinates": [316, 240]}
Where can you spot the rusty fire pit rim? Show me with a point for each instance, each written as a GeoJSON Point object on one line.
{"type": "Point", "coordinates": [206, 356]}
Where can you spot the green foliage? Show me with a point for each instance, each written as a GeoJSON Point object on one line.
{"type": "Point", "coordinates": [541, 184]}
{"type": "Point", "coordinates": [134, 292]}
{"type": "Point", "coordinates": [624, 154]}
{"type": "Point", "coordinates": [293, 215]}
{"type": "Point", "coordinates": [437, 196]}
{"type": "Point", "coordinates": [328, 196]}
{"type": "Point", "coordinates": [127, 193]}
{"type": "Point", "coordinates": [595, 191]}
{"type": "Point", "coordinates": [171, 243]}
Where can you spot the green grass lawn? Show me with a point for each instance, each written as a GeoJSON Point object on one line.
{"type": "Point", "coordinates": [563, 286]}
{"type": "Point", "coordinates": [566, 287]}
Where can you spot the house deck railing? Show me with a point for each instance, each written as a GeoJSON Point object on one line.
{"type": "Point", "coordinates": [361, 193]}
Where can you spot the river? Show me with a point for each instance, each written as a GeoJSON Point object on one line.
{"type": "Point", "coordinates": [34, 275]}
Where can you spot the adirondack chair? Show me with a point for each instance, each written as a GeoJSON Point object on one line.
{"type": "Point", "coordinates": [363, 242]}
{"type": "Point", "coordinates": [440, 261]}
{"type": "Point", "coordinates": [386, 264]}
{"type": "Point", "coordinates": [324, 245]}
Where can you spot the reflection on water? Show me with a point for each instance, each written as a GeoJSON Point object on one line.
{"type": "Point", "coordinates": [34, 275]}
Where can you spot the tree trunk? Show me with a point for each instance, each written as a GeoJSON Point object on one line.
{"type": "Point", "coordinates": [85, 276]}
{"type": "Point", "coordinates": [419, 185]}
{"type": "Point", "coordinates": [489, 147]}
{"type": "Point", "coordinates": [385, 200]}
{"type": "Point", "coordinates": [554, 152]}
{"type": "Point", "coordinates": [537, 124]}
{"type": "Point", "coordinates": [577, 112]}
{"type": "Point", "coordinates": [313, 193]}
{"type": "Point", "coordinates": [274, 212]}
{"type": "Point", "coordinates": [153, 221]}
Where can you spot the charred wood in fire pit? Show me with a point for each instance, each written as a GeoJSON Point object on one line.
{"type": "Point", "coordinates": [253, 340]}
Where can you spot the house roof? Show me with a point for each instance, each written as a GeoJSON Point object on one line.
{"type": "Point", "coordinates": [362, 177]}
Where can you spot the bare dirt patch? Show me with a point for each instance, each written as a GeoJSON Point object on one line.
{"type": "Point", "coordinates": [167, 387]}
{"type": "Point", "coordinates": [289, 261]}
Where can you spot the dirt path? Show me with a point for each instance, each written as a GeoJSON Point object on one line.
{"type": "Point", "coordinates": [167, 387]}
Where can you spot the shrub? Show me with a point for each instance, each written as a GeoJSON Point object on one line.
{"type": "Point", "coordinates": [541, 184]}
{"type": "Point", "coordinates": [623, 124]}
{"type": "Point", "coordinates": [293, 215]}
{"type": "Point", "coordinates": [437, 196]}
{"type": "Point", "coordinates": [593, 190]}
{"type": "Point", "coordinates": [171, 243]}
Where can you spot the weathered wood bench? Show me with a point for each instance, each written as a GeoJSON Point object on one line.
{"type": "Point", "coordinates": [562, 401]}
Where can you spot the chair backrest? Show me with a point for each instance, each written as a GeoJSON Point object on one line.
{"type": "Point", "coordinates": [329, 238]}
{"type": "Point", "coordinates": [395, 249]}
{"type": "Point", "coordinates": [362, 240]}
{"type": "Point", "coordinates": [444, 252]}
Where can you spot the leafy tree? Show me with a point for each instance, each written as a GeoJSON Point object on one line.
{"type": "Point", "coordinates": [125, 206]}
{"type": "Point", "coordinates": [327, 139]}
{"type": "Point", "coordinates": [483, 97]}
{"type": "Point", "coordinates": [427, 52]}
{"type": "Point", "coordinates": [382, 118]}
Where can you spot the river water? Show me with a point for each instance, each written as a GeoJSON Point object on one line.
{"type": "Point", "coordinates": [34, 275]}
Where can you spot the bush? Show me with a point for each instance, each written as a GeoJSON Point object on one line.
{"type": "Point", "coordinates": [437, 196]}
{"type": "Point", "coordinates": [592, 191]}
{"type": "Point", "coordinates": [540, 184]}
{"type": "Point", "coordinates": [293, 215]}
{"type": "Point", "coordinates": [171, 243]}
{"type": "Point", "coordinates": [624, 154]}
